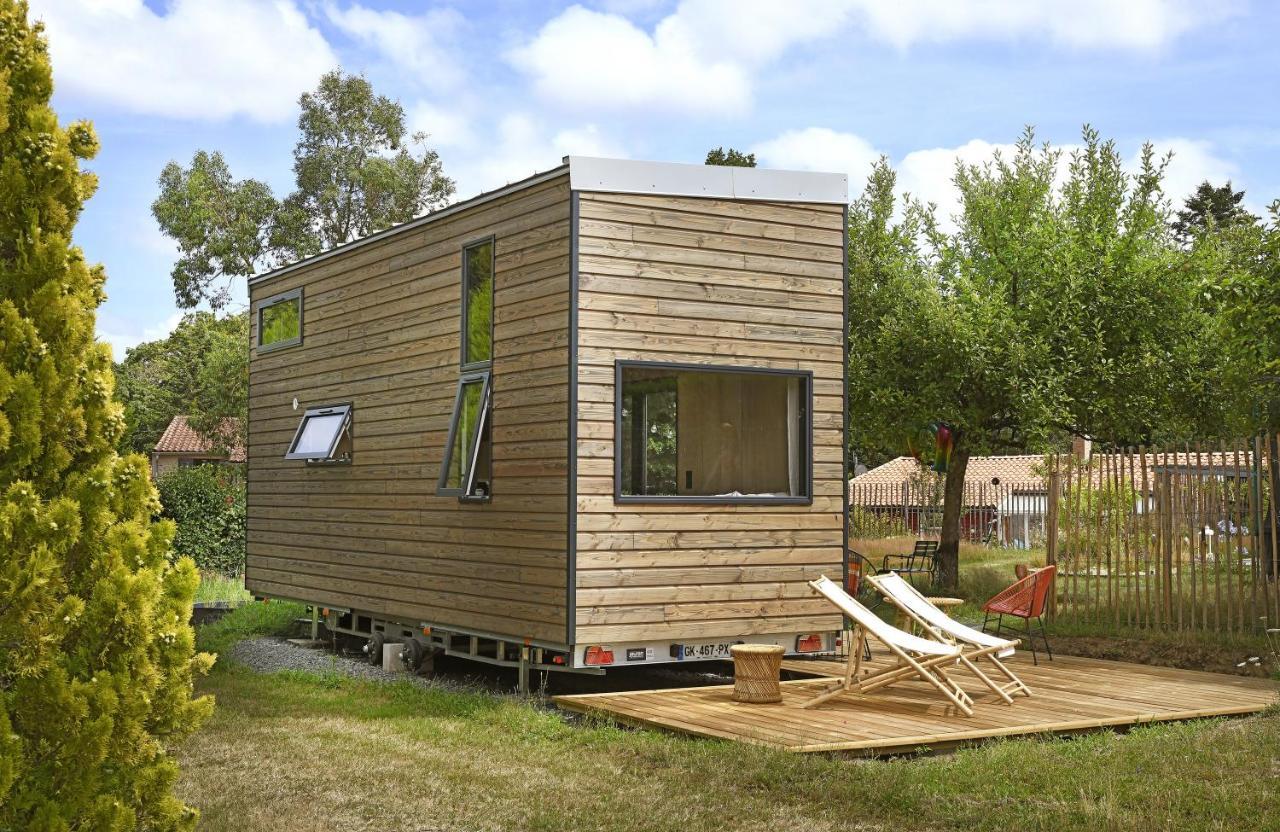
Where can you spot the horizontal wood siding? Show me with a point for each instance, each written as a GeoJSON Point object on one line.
{"type": "Point", "coordinates": [723, 283]}
{"type": "Point", "coordinates": [381, 330]}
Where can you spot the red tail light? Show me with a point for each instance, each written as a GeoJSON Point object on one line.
{"type": "Point", "coordinates": [810, 643]}
{"type": "Point", "coordinates": [598, 655]}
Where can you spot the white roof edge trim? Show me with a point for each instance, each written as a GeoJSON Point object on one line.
{"type": "Point", "coordinates": [416, 222]}
{"type": "Point", "coordinates": [591, 173]}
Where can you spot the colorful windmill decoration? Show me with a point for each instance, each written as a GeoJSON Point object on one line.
{"type": "Point", "coordinates": [944, 442]}
{"type": "Point", "coordinates": [937, 458]}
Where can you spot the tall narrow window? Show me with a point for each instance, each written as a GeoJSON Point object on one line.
{"type": "Point", "coordinates": [712, 434]}
{"type": "Point", "coordinates": [467, 468]}
{"type": "Point", "coordinates": [468, 462]}
{"type": "Point", "coordinates": [477, 304]}
{"type": "Point", "coordinates": [280, 321]}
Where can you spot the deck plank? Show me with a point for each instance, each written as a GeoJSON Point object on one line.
{"type": "Point", "coordinates": [1071, 694]}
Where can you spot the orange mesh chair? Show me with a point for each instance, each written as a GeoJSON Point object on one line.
{"type": "Point", "coordinates": [1026, 599]}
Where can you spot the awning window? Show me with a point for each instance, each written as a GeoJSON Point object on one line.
{"type": "Point", "coordinates": [323, 435]}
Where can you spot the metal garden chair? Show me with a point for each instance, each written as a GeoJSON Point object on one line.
{"type": "Point", "coordinates": [1025, 599]}
{"type": "Point", "coordinates": [922, 560]}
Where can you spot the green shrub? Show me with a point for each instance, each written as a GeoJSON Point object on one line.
{"type": "Point", "coordinates": [207, 503]}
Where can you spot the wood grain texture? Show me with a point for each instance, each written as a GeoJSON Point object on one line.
{"type": "Point", "coordinates": [1069, 695]}
{"type": "Point", "coordinates": [714, 282]}
{"type": "Point", "coordinates": [382, 330]}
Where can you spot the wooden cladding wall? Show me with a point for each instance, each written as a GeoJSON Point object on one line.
{"type": "Point", "coordinates": [381, 330]}
{"type": "Point", "coordinates": [714, 282]}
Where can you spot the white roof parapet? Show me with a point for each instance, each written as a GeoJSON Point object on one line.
{"type": "Point", "coordinates": [628, 176]}
{"type": "Point", "coordinates": [591, 173]}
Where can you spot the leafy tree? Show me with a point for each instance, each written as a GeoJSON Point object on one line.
{"type": "Point", "coordinates": [201, 370]}
{"type": "Point", "coordinates": [96, 653]}
{"type": "Point", "coordinates": [222, 227]}
{"type": "Point", "coordinates": [1245, 288]}
{"type": "Point", "coordinates": [730, 158]}
{"type": "Point", "coordinates": [1210, 207]}
{"type": "Point", "coordinates": [1051, 311]}
{"type": "Point", "coordinates": [357, 171]}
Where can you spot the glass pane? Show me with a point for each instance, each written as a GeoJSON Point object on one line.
{"type": "Point", "coordinates": [318, 434]}
{"type": "Point", "coordinates": [649, 435]}
{"type": "Point", "coordinates": [478, 269]}
{"type": "Point", "coordinates": [692, 433]}
{"type": "Point", "coordinates": [280, 322]}
{"type": "Point", "coordinates": [468, 417]}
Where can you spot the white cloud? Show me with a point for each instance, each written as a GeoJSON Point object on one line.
{"type": "Point", "coordinates": [197, 60]}
{"type": "Point", "coordinates": [122, 342]}
{"type": "Point", "coordinates": [823, 149]}
{"type": "Point", "coordinates": [589, 60]}
{"type": "Point", "coordinates": [522, 147]}
{"type": "Point", "coordinates": [1193, 162]}
{"type": "Point", "coordinates": [703, 57]}
{"type": "Point", "coordinates": [446, 128]}
{"type": "Point", "coordinates": [415, 44]}
{"type": "Point", "coordinates": [1123, 24]}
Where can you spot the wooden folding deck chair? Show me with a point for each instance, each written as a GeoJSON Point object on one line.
{"type": "Point", "coordinates": [917, 657]}
{"type": "Point", "coordinates": [899, 592]}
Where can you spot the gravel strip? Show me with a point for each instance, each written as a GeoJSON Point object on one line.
{"type": "Point", "coordinates": [268, 655]}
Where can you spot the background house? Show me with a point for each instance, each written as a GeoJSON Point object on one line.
{"type": "Point", "coordinates": [180, 445]}
{"type": "Point", "coordinates": [1005, 498]}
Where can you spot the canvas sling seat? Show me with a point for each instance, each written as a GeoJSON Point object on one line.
{"type": "Point", "coordinates": [918, 657]}
{"type": "Point", "coordinates": [977, 644]}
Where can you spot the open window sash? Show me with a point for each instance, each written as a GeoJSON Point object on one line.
{"type": "Point", "coordinates": [462, 452]}
{"type": "Point", "coordinates": [320, 434]}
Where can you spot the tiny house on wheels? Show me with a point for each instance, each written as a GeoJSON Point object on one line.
{"type": "Point", "coordinates": [592, 419]}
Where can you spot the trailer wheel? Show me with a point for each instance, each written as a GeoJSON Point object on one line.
{"type": "Point", "coordinates": [411, 653]}
{"type": "Point", "coordinates": [373, 649]}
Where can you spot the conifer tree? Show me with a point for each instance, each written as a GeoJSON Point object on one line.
{"type": "Point", "coordinates": [96, 653]}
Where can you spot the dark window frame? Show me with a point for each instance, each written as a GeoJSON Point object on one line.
{"type": "Point", "coordinates": [266, 303]}
{"type": "Point", "coordinates": [806, 378]}
{"type": "Point", "coordinates": [491, 241]}
{"type": "Point", "coordinates": [347, 411]}
{"type": "Point", "coordinates": [463, 491]}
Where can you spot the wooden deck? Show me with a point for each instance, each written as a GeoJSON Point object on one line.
{"type": "Point", "coordinates": [1071, 695]}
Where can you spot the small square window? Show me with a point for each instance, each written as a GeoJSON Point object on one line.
{"type": "Point", "coordinates": [280, 321]}
{"type": "Point", "coordinates": [467, 468]}
{"type": "Point", "coordinates": [324, 435]}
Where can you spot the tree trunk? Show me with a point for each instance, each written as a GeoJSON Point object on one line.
{"type": "Point", "coordinates": [952, 507]}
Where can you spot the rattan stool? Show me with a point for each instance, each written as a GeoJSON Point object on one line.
{"type": "Point", "coordinates": [755, 672]}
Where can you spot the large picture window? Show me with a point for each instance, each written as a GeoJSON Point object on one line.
{"type": "Point", "coordinates": [477, 304]}
{"type": "Point", "coordinates": [712, 434]}
{"type": "Point", "coordinates": [280, 321]}
{"type": "Point", "coordinates": [468, 455]}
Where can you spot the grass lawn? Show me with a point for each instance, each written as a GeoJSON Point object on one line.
{"type": "Point", "coordinates": [293, 751]}
{"type": "Point", "coordinates": [217, 587]}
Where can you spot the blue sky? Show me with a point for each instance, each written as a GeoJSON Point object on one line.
{"type": "Point", "coordinates": [506, 88]}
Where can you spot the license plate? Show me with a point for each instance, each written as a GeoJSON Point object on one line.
{"type": "Point", "coordinates": [708, 651]}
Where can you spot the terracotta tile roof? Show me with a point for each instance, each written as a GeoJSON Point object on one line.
{"type": "Point", "coordinates": [1024, 470]}
{"type": "Point", "coordinates": [1026, 474]}
{"type": "Point", "coordinates": [180, 438]}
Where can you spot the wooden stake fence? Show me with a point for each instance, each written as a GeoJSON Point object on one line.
{"type": "Point", "coordinates": [1181, 540]}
